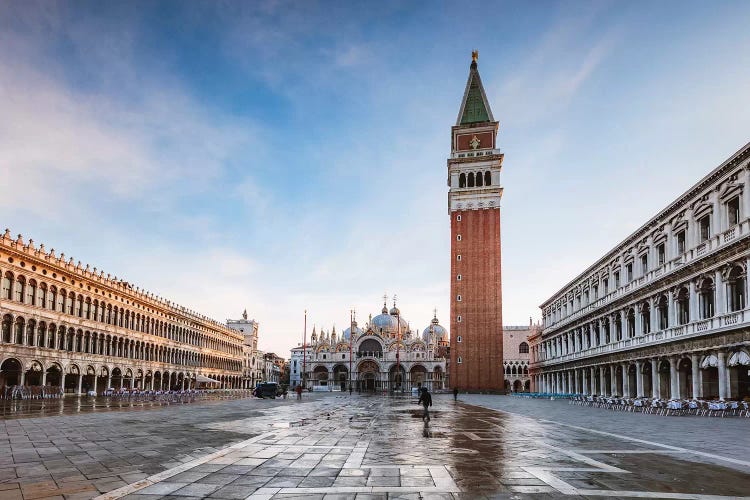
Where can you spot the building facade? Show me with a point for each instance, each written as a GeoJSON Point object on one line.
{"type": "Point", "coordinates": [385, 356]}
{"type": "Point", "coordinates": [516, 356]}
{"type": "Point", "coordinates": [250, 355]}
{"type": "Point", "coordinates": [476, 343]}
{"type": "Point", "coordinates": [273, 367]}
{"type": "Point", "coordinates": [71, 327]}
{"type": "Point", "coordinates": [296, 360]}
{"type": "Point", "coordinates": [665, 313]}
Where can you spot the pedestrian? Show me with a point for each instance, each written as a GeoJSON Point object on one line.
{"type": "Point", "coordinates": [426, 400]}
{"type": "Point", "coordinates": [298, 390]}
{"type": "Point", "coordinates": [455, 394]}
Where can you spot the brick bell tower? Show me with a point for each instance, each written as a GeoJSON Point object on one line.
{"type": "Point", "coordinates": [476, 319]}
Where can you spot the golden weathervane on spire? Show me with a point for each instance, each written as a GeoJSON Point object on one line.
{"type": "Point", "coordinates": [474, 55]}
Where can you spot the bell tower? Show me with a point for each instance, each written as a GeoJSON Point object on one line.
{"type": "Point", "coordinates": [476, 322]}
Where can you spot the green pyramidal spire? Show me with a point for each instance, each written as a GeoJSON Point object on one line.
{"type": "Point", "coordinates": [474, 106]}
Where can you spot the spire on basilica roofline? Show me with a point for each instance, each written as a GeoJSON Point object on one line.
{"type": "Point", "coordinates": [474, 106]}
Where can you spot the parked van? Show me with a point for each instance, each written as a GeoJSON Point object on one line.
{"type": "Point", "coordinates": [267, 390]}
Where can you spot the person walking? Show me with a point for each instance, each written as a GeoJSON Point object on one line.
{"type": "Point", "coordinates": [298, 390]}
{"type": "Point", "coordinates": [455, 394]}
{"type": "Point", "coordinates": [425, 399]}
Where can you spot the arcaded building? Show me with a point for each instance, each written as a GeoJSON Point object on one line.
{"type": "Point", "coordinates": [665, 313]}
{"type": "Point", "coordinates": [516, 355]}
{"type": "Point", "coordinates": [476, 320]}
{"type": "Point", "coordinates": [67, 325]}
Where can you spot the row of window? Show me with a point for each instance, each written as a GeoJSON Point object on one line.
{"type": "Point", "coordinates": [64, 338]}
{"type": "Point", "coordinates": [18, 289]}
{"type": "Point", "coordinates": [645, 264]}
{"type": "Point", "coordinates": [602, 332]}
{"type": "Point", "coordinates": [514, 370]}
{"type": "Point", "coordinates": [472, 179]}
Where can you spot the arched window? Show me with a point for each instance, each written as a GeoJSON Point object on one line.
{"type": "Point", "coordinates": [42, 295]}
{"type": "Point", "coordinates": [87, 308]}
{"type": "Point", "coordinates": [19, 330]}
{"type": "Point", "coordinates": [706, 298]}
{"type": "Point", "coordinates": [31, 293]}
{"type": "Point", "coordinates": [20, 288]}
{"type": "Point", "coordinates": [6, 328]}
{"type": "Point", "coordinates": [61, 300]}
{"type": "Point", "coordinates": [71, 303]}
{"type": "Point", "coordinates": [80, 306]}
{"type": "Point", "coordinates": [523, 348]}
{"type": "Point", "coordinates": [7, 292]}
{"type": "Point", "coordinates": [462, 180]}
{"type": "Point", "coordinates": [631, 322]}
{"type": "Point", "coordinates": [479, 179]}
{"type": "Point", "coordinates": [662, 308]}
{"type": "Point", "coordinates": [736, 284]}
{"type": "Point", "coordinates": [645, 318]}
{"type": "Point", "coordinates": [606, 329]}
{"type": "Point", "coordinates": [683, 306]}
{"type": "Point", "coordinates": [471, 179]}
{"type": "Point", "coordinates": [487, 178]}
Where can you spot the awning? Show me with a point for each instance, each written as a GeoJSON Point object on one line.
{"type": "Point", "coordinates": [710, 361]}
{"type": "Point", "coordinates": [739, 358]}
{"type": "Point", "coordinates": [205, 380]}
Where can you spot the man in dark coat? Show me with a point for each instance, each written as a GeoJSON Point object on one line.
{"type": "Point", "coordinates": [425, 399]}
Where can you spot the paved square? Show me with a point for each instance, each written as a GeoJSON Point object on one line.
{"type": "Point", "coordinates": [337, 446]}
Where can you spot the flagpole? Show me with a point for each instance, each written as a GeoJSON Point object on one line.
{"type": "Point", "coordinates": [304, 354]}
{"type": "Point", "coordinates": [351, 337]}
{"type": "Point", "coordinates": [398, 344]}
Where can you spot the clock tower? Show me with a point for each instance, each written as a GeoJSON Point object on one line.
{"type": "Point", "coordinates": [476, 320]}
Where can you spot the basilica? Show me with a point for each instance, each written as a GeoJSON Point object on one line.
{"type": "Point", "coordinates": [385, 355]}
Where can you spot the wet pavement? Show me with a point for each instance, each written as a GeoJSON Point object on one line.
{"type": "Point", "coordinates": [337, 446]}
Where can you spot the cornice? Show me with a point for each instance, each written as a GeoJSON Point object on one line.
{"type": "Point", "coordinates": [659, 219]}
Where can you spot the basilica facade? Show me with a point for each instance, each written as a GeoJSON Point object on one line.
{"type": "Point", "coordinates": [386, 355]}
{"type": "Point", "coordinates": [71, 328]}
{"type": "Point", "coordinates": [665, 313]}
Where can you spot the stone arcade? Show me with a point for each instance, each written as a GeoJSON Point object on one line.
{"type": "Point", "coordinates": [665, 313]}
{"type": "Point", "coordinates": [68, 326]}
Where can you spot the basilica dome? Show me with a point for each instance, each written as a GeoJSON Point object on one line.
{"type": "Point", "coordinates": [348, 332]}
{"type": "Point", "coordinates": [441, 334]}
{"type": "Point", "coordinates": [387, 323]}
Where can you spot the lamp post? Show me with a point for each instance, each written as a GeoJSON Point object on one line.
{"type": "Point", "coordinates": [351, 338]}
{"type": "Point", "coordinates": [398, 345]}
{"type": "Point", "coordinates": [304, 354]}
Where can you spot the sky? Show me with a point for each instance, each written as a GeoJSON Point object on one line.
{"type": "Point", "coordinates": [281, 156]}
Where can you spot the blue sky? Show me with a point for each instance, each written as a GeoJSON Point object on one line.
{"type": "Point", "coordinates": [279, 156]}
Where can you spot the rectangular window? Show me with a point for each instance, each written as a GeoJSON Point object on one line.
{"type": "Point", "coordinates": [705, 227]}
{"type": "Point", "coordinates": [605, 285]}
{"type": "Point", "coordinates": [733, 211]}
{"type": "Point", "coordinates": [595, 292]}
{"type": "Point", "coordinates": [586, 297]}
{"type": "Point", "coordinates": [629, 272]}
{"type": "Point", "coordinates": [681, 242]}
{"type": "Point", "coordinates": [661, 253]}
{"type": "Point", "coordinates": [617, 279]}
{"type": "Point", "coordinates": [644, 264]}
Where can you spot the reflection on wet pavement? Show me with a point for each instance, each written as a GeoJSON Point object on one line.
{"type": "Point", "coordinates": [71, 405]}
{"type": "Point", "coordinates": [379, 447]}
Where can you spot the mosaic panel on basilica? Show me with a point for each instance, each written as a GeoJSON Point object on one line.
{"type": "Point", "coordinates": [386, 355]}
{"type": "Point", "coordinates": [69, 328]}
{"type": "Point", "coordinates": [665, 313]}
